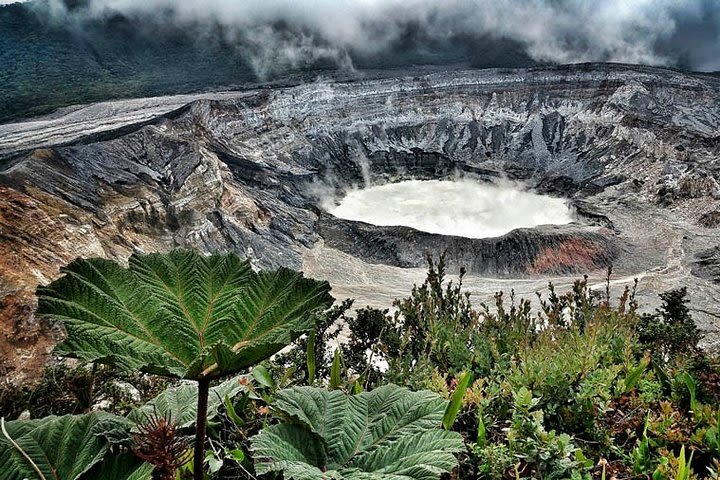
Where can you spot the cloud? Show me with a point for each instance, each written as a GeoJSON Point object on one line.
{"type": "Point", "coordinates": [279, 33]}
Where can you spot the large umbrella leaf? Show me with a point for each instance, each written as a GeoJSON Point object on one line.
{"type": "Point", "coordinates": [389, 432]}
{"type": "Point", "coordinates": [180, 314]}
{"type": "Point", "coordinates": [59, 448]}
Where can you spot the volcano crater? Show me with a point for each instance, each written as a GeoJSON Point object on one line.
{"type": "Point", "coordinates": [514, 232]}
{"type": "Point", "coordinates": [633, 150]}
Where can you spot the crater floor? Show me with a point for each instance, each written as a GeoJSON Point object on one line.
{"type": "Point", "coordinates": [633, 150]}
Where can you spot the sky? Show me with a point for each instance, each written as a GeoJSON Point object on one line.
{"type": "Point", "coordinates": [683, 33]}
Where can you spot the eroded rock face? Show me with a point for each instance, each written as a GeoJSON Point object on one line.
{"type": "Point", "coordinates": [707, 264]}
{"type": "Point", "coordinates": [634, 149]}
{"type": "Point", "coordinates": [544, 250]}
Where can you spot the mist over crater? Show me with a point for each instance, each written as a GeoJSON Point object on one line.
{"type": "Point", "coordinates": [460, 207]}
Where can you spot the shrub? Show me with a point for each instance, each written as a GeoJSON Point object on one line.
{"type": "Point", "coordinates": [543, 454]}
{"type": "Point", "coordinates": [670, 332]}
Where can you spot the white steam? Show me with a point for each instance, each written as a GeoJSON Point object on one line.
{"type": "Point", "coordinates": [462, 207]}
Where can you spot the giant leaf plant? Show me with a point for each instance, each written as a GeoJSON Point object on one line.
{"type": "Point", "coordinates": [182, 315]}
{"type": "Point", "coordinates": [71, 447]}
{"type": "Point", "coordinates": [389, 433]}
{"type": "Point", "coordinates": [94, 446]}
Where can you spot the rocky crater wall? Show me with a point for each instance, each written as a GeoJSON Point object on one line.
{"type": "Point", "coordinates": [634, 149]}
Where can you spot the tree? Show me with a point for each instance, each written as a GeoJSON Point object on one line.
{"type": "Point", "coordinates": [181, 315]}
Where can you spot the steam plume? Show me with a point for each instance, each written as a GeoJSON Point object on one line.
{"type": "Point", "coordinates": [461, 207]}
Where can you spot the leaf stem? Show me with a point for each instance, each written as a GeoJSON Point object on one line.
{"type": "Point", "coordinates": [200, 428]}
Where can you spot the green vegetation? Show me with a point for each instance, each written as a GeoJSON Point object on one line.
{"type": "Point", "coordinates": [181, 315]}
{"type": "Point", "coordinates": [585, 387]}
{"type": "Point", "coordinates": [63, 447]}
{"type": "Point", "coordinates": [389, 432]}
{"type": "Point", "coordinates": [48, 65]}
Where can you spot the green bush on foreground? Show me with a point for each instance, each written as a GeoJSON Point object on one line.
{"type": "Point", "coordinates": [181, 315]}
{"type": "Point", "coordinates": [583, 388]}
